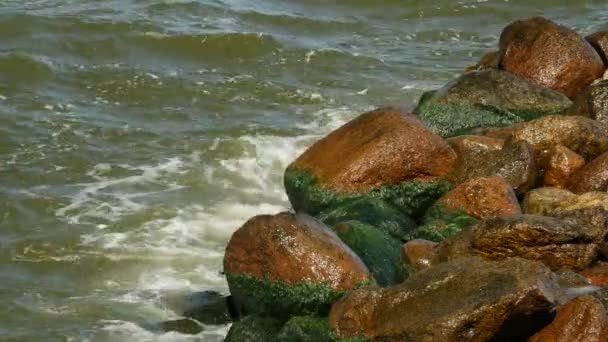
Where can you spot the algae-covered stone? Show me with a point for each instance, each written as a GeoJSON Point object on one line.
{"type": "Point", "coordinates": [488, 98]}
{"type": "Point", "coordinates": [374, 211]}
{"type": "Point", "coordinates": [384, 154]}
{"type": "Point", "coordinates": [380, 252]}
{"type": "Point", "coordinates": [305, 329]}
{"type": "Point", "coordinates": [254, 329]}
{"type": "Point", "coordinates": [441, 223]}
{"type": "Point", "coordinates": [289, 264]}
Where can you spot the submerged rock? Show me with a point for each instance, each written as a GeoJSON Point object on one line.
{"type": "Point", "coordinates": [289, 264]}
{"type": "Point", "coordinates": [185, 326]}
{"type": "Point", "coordinates": [582, 319]}
{"type": "Point", "coordinates": [209, 307]}
{"type": "Point", "coordinates": [488, 98]}
{"type": "Point", "coordinates": [383, 154]}
{"type": "Point", "coordinates": [559, 164]}
{"type": "Point", "coordinates": [445, 303]}
{"type": "Point", "coordinates": [591, 177]}
{"type": "Point", "coordinates": [550, 55]}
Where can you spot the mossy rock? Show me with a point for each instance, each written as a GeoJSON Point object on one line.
{"type": "Point", "coordinates": [441, 223]}
{"type": "Point", "coordinates": [254, 329]}
{"type": "Point", "coordinates": [305, 329]}
{"type": "Point", "coordinates": [373, 211]}
{"type": "Point", "coordinates": [412, 198]}
{"type": "Point", "coordinates": [380, 252]}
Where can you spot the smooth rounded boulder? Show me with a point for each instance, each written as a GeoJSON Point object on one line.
{"type": "Point", "coordinates": [550, 55]}
{"type": "Point", "coordinates": [384, 153]}
{"type": "Point", "coordinates": [289, 264]}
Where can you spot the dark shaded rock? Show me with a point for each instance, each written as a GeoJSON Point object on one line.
{"type": "Point", "coordinates": [440, 223]}
{"type": "Point", "coordinates": [515, 163]}
{"type": "Point", "coordinates": [569, 279]}
{"type": "Point", "coordinates": [597, 274]}
{"type": "Point", "coordinates": [599, 41]}
{"type": "Point", "coordinates": [591, 177]}
{"type": "Point", "coordinates": [418, 254]}
{"type": "Point", "coordinates": [582, 135]}
{"type": "Point", "coordinates": [592, 102]}
{"type": "Point", "coordinates": [543, 201]}
{"type": "Point", "coordinates": [183, 326]}
{"type": "Point", "coordinates": [466, 300]}
{"type": "Point", "coordinates": [210, 307]}
{"type": "Point", "coordinates": [582, 319]}
{"type": "Point", "coordinates": [373, 211]}
{"type": "Point", "coordinates": [380, 252]}
{"type": "Point", "coordinates": [254, 329]}
{"type": "Point", "coordinates": [559, 164]}
{"type": "Point", "coordinates": [488, 61]}
{"type": "Point", "coordinates": [289, 264]}
{"type": "Point", "coordinates": [305, 329]}
{"type": "Point", "coordinates": [550, 55]}
{"type": "Point", "coordinates": [463, 144]}
{"type": "Point", "coordinates": [489, 98]}
{"type": "Point", "coordinates": [384, 153]}
{"type": "Point", "coordinates": [501, 133]}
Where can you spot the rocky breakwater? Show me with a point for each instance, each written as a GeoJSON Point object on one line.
{"type": "Point", "coordinates": [481, 216]}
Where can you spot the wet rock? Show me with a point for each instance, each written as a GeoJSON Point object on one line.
{"type": "Point", "coordinates": [445, 303]}
{"type": "Point", "coordinates": [597, 274]}
{"type": "Point", "coordinates": [210, 307]}
{"type": "Point", "coordinates": [418, 254]}
{"type": "Point", "coordinates": [569, 279]}
{"type": "Point", "coordinates": [515, 163]}
{"type": "Point", "coordinates": [501, 133]}
{"type": "Point", "coordinates": [254, 329]}
{"type": "Point", "coordinates": [183, 326]}
{"type": "Point", "coordinates": [592, 102]}
{"type": "Point", "coordinates": [591, 177]}
{"type": "Point", "coordinates": [582, 135]}
{"type": "Point", "coordinates": [463, 144]}
{"type": "Point", "coordinates": [380, 252]}
{"type": "Point", "coordinates": [489, 98]}
{"type": "Point", "coordinates": [488, 61]}
{"type": "Point", "coordinates": [569, 240]}
{"type": "Point", "coordinates": [482, 198]}
{"type": "Point", "coordinates": [383, 154]}
{"type": "Point", "coordinates": [559, 164]}
{"type": "Point", "coordinates": [440, 223]}
{"type": "Point", "coordinates": [373, 211]}
{"type": "Point", "coordinates": [289, 264]}
{"type": "Point", "coordinates": [599, 41]}
{"type": "Point", "coordinates": [305, 329]}
{"type": "Point", "coordinates": [550, 55]}
{"type": "Point", "coordinates": [582, 319]}
{"type": "Point", "coordinates": [543, 201]}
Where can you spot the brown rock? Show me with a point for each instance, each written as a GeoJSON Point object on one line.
{"type": "Point", "coordinates": [550, 55]}
{"type": "Point", "coordinates": [592, 102]}
{"type": "Point", "coordinates": [543, 201]}
{"type": "Point", "coordinates": [466, 300]}
{"type": "Point", "coordinates": [515, 163]}
{"type": "Point", "coordinates": [597, 274]}
{"type": "Point", "coordinates": [482, 198]}
{"type": "Point", "coordinates": [501, 133]}
{"type": "Point", "coordinates": [384, 146]}
{"type": "Point", "coordinates": [488, 61]}
{"type": "Point", "coordinates": [559, 164]}
{"type": "Point", "coordinates": [582, 319]}
{"type": "Point", "coordinates": [599, 41]}
{"type": "Point", "coordinates": [592, 177]}
{"type": "Point", "coordinates": [474, 143]}
{"type": "Point", "coordinates": [418, 254]}
{"type": "Point", "coordinates": [582, 135]}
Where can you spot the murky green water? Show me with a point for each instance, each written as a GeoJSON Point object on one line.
{"type": "Point", "coordinates": [136, 136]}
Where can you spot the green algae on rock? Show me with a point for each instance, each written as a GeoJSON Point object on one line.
{"type": "Point", "coordinates": [441, 223]}
{"type": "Point", "coordinates": [305, 329]}
{"type": "Point", "coordinates": [380, 252]}
{"type": "Point", "coordinates": [254, 329]}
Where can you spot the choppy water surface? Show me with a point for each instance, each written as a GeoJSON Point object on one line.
{"type": "Point", "coordinates": [136, 136]}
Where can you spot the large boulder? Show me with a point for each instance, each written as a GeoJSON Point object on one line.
{"type": "Point", "coordinates": [550, 55]}
{"type": "Point", "coordinates": [592, 103]}
{"type": "Point", "coordinates": [466, 300]}
{"type": "Point", "coordinates": [582, 319]}
{"type": "Point", "coordinates": [599, 41]}
{"type": "Point", "coordinates": [559, 164]}
{"type": "Point", "coordinates": [384, 153]}
{"type": "Point", "coordinates": [543, 201]}
{"type": "Point", "coordinates": [569, 240]}
{"type": "Point", "coordinates": [289, 264]}
{"type": "Point", "coordinates": [582, 135]}
{"type": "Point", "coordinates": [591, 177]}
{"type": "Point", "coordinates": [487, 98]}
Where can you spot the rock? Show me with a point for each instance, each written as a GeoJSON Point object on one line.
{"type": "Point", "coordinates": [183, 326]}
{"type": "Point", "coordinates": [568, 240]}
{"type": "Point", "coordinates": [569, 279]}
{"type": "Point", "coordinates": [550, 55]}
{"type": "Point", "coordinates": [482, 198]}
{"type": "Point", "coordinates": [552, 200]}
{"type": "Point", "coordinates": [289, 264]}
{"type": "Point", "coordinates": [489, 98]}
{"type": "Point", "coordinates": [488, 61]}
{"type": "Point", "coordinates": [373, 211]}
{"type": "Point", "coordinates": [254, 329]}
{"type": "Point", "coordinates": [383, 154]}
{"type": "Point", "coordinates": [591, 177]}
{"type": "Point", "coordinates": [582, 319]}
{"type": "Point", "coordinates": [474, 144]}
{"type": "Point", "coordinates": [380, 252]}
{"type": "Point", "coordinates": [597, 274]}
{"type": "Point", "coordinates": [440, 223]}
{"type": "Point", "coordinates": [210, 307]}
{"type": "Point", "coordinates": [592, 103]}
{"type": "Point", "coordinates": [418, 254]}
{"type": "Point", "coordinates": [559, 164]}
{"type": "Point", "coordinates": [465, 300]}
{"type": "Point", "coordinates": [599, 41]}
{"type": "Point", "coordinates": [305, 329]}
{"type": "Point", "coordinates": [582, 135]}
{"type": "Point", "coordinates": [515, 163]}
{"type": "Point", "coordinates": [501, 133]}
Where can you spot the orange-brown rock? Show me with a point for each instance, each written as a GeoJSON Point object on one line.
{"type": "Point", "coordinates": [501, 133]}
{"type": "Point", "coordinates": [474, 143]}
{"type": "Point", "coordinates": [482, 198]}
{"type": "Point", "coordinates": [597, 274]}
{"type": "Point", "coordinates": [581, 319]}
{"type": "Point", "coordinates": [591, 177]}
{"type": "Point", "coordinates": [599, 41]}
{"type": "Point", "coordinates": [550, 55]}
{"type": "Point", "coordinates": [559, 164]}
{"type": "Point", "coordinates": [488, 61]}
{"type": "Point", "coordinates": [418, 254]}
